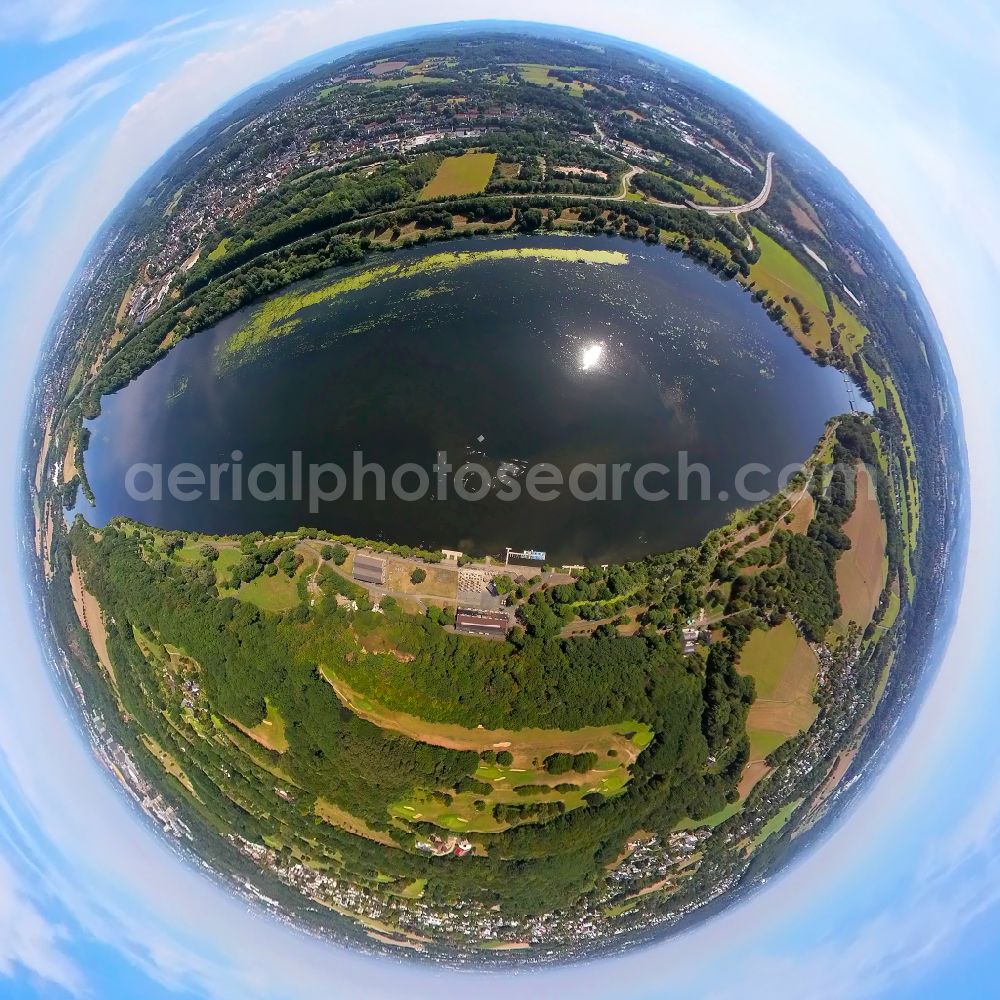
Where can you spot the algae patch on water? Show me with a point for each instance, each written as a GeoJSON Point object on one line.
{"type": "Point", "coordinates": [281, 315]}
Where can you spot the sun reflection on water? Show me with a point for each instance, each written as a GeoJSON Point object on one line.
{"type": "Point", "coordinates": [591, 356]}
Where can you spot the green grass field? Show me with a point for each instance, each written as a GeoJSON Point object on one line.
{"type": "Point", "coordinates": [270, 733]}
{"type": "Point", "coordinates": [766, 655]}
{"type": "Point", "coordinates": [763, 741]}
{"type": "Point", "coordinates": [220, 251]}
{"type": "Point", "coordinates": [269, 593]}
{"type": "Point", "coordinates": [698, 196]}
{"type": "Point", "coordinates": [719, 191]}
{"type": "Point", "coordinates": [228, 557]}
{"type": "Point", "coordinates": [853, 335]}
{"type": "Point", "coordinates": [539, 75]}
{"type": "Point", "coordinates": [783, 274]}
{"type": "Point", "coordinates": [711, 821]}
{"type": "Point", "coordinates": [892, 610]}
{"type": "Point", "coordinates": [461, 175]}
{"type": "Point", "coordinates": [780, 273]}
{"type": "Point", "coordinates": [875, 385]}
{"type": "Point", "coordinates": [413, 890]}
{"type": "Point", "coordinates": [776, 823]}
{"type": "Point", "coordinates": [460, 815]}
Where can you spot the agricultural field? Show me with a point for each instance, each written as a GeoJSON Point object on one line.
{"type": "Point", "coordinates": [784, 668]}
{"type": "Point", "coordinates": [780, 273]}
{"type": "Point", "coordinates": [861, 570]}
{"type": "Point", "coordinates": [461, 175]}
{"type": "Point", "coordinates": [541, 76]}
{"type": "Point", "coordinates": [805, 216]}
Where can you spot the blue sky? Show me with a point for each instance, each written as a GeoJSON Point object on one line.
{"type": "Point", "coordinates": [903, 900]}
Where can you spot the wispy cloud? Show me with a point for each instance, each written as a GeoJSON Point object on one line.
{"type": "Point", "coordinates": [43, 109]}
{"type": "Point", "coordinates": [955, 883]}
{"type": "Point", "coordinates": [29, 942]}
{"type": "Point", "coordinates": [51, 20]}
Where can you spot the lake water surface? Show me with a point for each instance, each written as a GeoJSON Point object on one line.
{"type": "Point", "coordinates": [504, 361]}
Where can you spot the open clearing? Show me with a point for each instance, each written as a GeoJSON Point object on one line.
{"type": "Point", "coordinates": [805, 217]}
{"type": "Point", "coordinates": [801, 514]}
{"type": "Point", "coordinates": [763, 741]}
{"type": "Point", "coordinates": [43, 452]}
{"type": "Point", "coordinates": [861, 570]}
{"type": "Point", "coordinates": [784, 668]}
{"type": "Point", "coordinates": [776, 824]}
{"type": "Point", "coordinates": [712, 821]}
{"type": "Point", "coordinates": [458, 813]}
{"type": "Point", "coordinates": [461, 175]}
{"type": "Point", "coordinates": [540, 76]}
{"type": "Point", "coordinates": [270, 734]}
{"type": "Point", "coordinates": [69, 469]}
{"type": "Point", "coordinates": [270, 593]}
{"type": "Point", "coordinates": [441, 581]}
{"type": "Point", "coordinates": [875, 385]}
{"type": "Point", "coordinates": [852, 333]}
{"type": "Point", "coordinates": [627, 739]}
{"type": "Point", "coordinates": [780, 273]}
{"type": "Point", "coordinates": [333, 814]}
{"type": "Point", "coordinates": [169, 763]}
{"type": "Point", "coordinates": [91, 618]}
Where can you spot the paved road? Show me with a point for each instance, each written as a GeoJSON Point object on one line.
{"type": "Point", "coordinates": [749, 206]}
{"type": "Point", "coordinates": [633, 172]}
{"type": "Point", "coordinates": [626, 189]}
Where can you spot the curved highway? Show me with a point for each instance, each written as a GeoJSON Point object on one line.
{"type": "Point", "coordinates": [749, 206]}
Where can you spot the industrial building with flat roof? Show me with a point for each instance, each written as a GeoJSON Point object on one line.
{"type": "Point", "coordinates": [368, 569]}
{"type": "Point", "coordinates": [476, 622]}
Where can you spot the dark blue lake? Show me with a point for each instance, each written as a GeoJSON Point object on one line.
{"type": "Point", "coordinates": [500, 362]}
